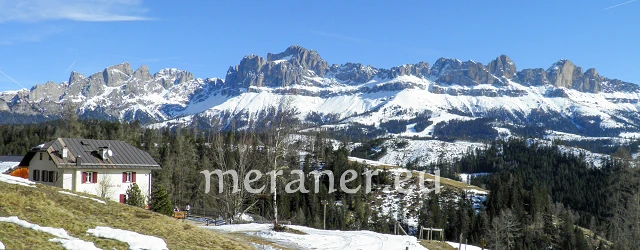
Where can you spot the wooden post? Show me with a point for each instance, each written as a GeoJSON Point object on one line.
{"type": "Point", "coordinates": [324, 221]}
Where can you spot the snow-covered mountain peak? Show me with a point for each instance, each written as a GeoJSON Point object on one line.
{"type": "Point", "coordinates": [418, 96]}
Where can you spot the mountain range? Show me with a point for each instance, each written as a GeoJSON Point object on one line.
{"type": "Point", "coordinates": [413, 100]}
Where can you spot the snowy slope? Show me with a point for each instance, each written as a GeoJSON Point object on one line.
{"type": "Point", "coordinates": [426, 151]}
{"type": "Point", "coordinates": [372, 108]}
{"type": "Point", "coordinates": [6, 165]}
{"type": "Point", "coordinates": [325, 239]}
{"type": "Point", "coordinates": [352, 94]}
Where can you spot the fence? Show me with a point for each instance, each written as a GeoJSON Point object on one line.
{"type": "Point", "coordinates": [215, 218]}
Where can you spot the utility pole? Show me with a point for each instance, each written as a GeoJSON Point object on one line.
{"type": "Point", "coordinates": [324, 222]}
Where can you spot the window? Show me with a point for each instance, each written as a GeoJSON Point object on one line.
{"type": "Point", "coordinates": [89, 177]}
{"type": "Point", "coordinates": [41, 156]}
{"type": "Point", "coordinates": [36, 175]}
{"type": "Point", "coordinates": [128, 177]}
{"type": "Point", "coordinates": [45, 176]}
{"type": "Point", "coordinates": [53, 176]}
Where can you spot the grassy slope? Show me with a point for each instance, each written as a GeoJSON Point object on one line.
{"type": "Point", "coordinates": [436, 245]}
{"type": "Point", "coordinates": [457, 185]}
{"type": "Point", "coordinates": [45, 206]}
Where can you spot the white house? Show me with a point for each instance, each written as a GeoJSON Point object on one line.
{"type": "Point", "coordinates": [104, 168]}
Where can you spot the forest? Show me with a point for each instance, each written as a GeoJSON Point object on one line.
{"type": "Point", "coordinates": [539, 197]}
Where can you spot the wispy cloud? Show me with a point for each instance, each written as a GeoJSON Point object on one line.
{"type": "Point", "coordinates": [75, 10]}
{"type": "Point", "coordinates": [14, 81]}
{"type": "Point", "coordinates": [28, 35]}
{"type": "Point", "coordinates": [338, 36]}
{"type": "Point", "coordinates": [618, 5]}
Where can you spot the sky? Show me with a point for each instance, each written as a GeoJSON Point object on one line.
{"type": "Point", "coordinates": [45, 40]}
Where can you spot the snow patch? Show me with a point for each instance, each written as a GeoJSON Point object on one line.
{"type": "Point", "coordinates": [244, 217]}
{"type": "Point", "coordinates": [16, 180]}
{"type": "Point", "coordinates": [72, 194]}
{"type": "Point", "coordinates": [68, 242]}
{"type": "Point", "coordinates": [325, 239]}
{"type": "Point", "coordinates": [464, 246]}
{"type": "Point", "coordinates": [6, 165]}
{"type": "Point", "coordinates": [135, 240]}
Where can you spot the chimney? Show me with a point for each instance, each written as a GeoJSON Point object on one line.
{"type": "Point", "coordinates": [78, 160]}
{"type": "Point", "coordinates": [104, 153]}
{"type": "Point", "coordinates": [65, 153]}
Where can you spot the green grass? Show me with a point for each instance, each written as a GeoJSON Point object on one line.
{"type": "Point", "coordinates": [45, 206]}
{"type": "Point", "coordinates": [457, 185]}
{"type": "Point", "coordinates": [436, 245]}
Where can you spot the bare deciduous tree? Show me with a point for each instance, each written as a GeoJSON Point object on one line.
{"type": "Point", "coordinates": [235, 155]}
{"type": "Point", "coordinates": [278, 131]}
{"type": "Point", "coordinates": [503, 231]}
{"type": "Point", "coordinates": [105, 189]}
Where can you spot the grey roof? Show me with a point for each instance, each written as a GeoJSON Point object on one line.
{"type": "Point", "coordinates": [11, 158]}
{"type": "Point", "coordinates": [124, 156]}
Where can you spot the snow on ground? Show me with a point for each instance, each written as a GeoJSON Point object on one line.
{"type": "Point", "coordinates": [466, 178]}
{"type": "Point", "coordinates": [325, 239]}
{"type": "Point", "coordinates": [135, 240]}
{"type": "Point", "coordinates": [369, 162]}
{"type": "Point", "coordinates": [68, 242]}
{"type": "Point", "coordinates": [557, 135]}
{"type": "Point", "coordinates": [630, 135]}
{"type": "Point", "coordinates": [392, 200]}
{"type": "Point", "coordinates": [463, 246]}
{"type": "Point", "coordinates": [1, 246]}
{"type": "Point", "coordinates": [72, 194]}
{"type": "Point", "coordinates": [16, 180]}
{"type": "Point", "coordinates": [429, 151]}
{"type": "Point", "coordinates": [6, 165]}
{"type": "Point", "coordinates": [244, 217]}
{"type": "Point", "coordinates": [597, 160]}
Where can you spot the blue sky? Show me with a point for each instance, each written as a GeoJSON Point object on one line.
{"type": "Point", "coordinates": [47, 39]}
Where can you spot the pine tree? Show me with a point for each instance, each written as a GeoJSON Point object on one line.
{"type": "Point", "coordinates": [159, 201]}
{"type": "Point", "coordinates": [134, 196]}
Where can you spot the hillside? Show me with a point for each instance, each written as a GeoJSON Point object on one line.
{"type": "Point", "coordinates": [46, 206]}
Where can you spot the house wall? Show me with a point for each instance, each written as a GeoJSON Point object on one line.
{"type": "Point", "coordinates": [111, 180]}
{"type": "Point", "coordinates": [46, 164]}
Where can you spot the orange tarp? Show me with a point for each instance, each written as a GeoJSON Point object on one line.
{"type": "Point", "coordinates": [22, 172]}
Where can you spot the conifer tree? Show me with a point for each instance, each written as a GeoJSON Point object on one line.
{"type": "Point", "coordinates": [159, 201]}
{"type": "Point", "coordinates": [134, 196]}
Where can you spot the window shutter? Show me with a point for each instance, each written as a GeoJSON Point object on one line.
{"type": "Point", "coordinates": [133, 176]}
{"type": "Point", "coordinates": [95, 177]}
{"type": "Point", "coordinates": [84, 177]}
{"type": "Point", "coordinates": [122, 198]}
{"type": "Point", "coordinates": [124, 177]}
